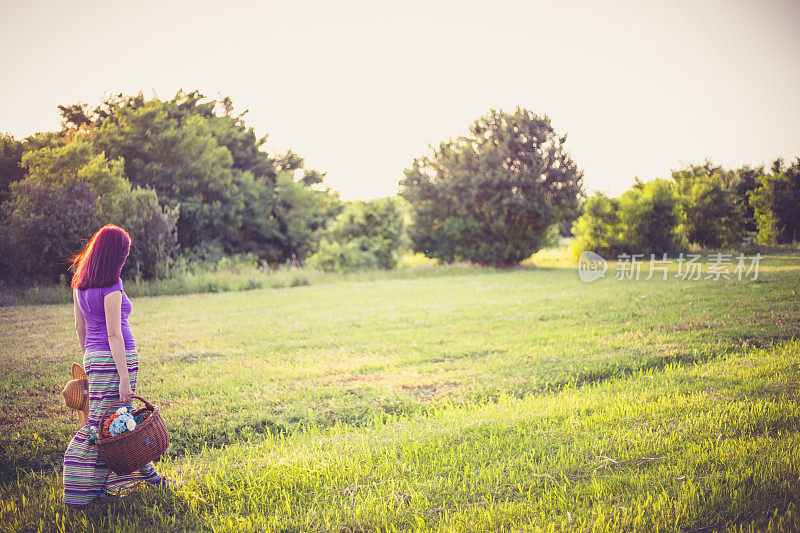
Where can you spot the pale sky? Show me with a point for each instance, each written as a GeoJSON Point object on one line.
{"type": "Point", "coordinates": [361, 88]}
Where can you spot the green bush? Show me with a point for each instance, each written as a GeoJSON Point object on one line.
{"type": "Point", "coordinates": [333, 256]}
{"type": "Point", "coordinates": [365, 235]}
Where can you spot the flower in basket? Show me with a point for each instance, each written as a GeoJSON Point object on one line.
{"type": "Point", "coordinates": [121, 423]}
{"type": "Point", "coordinates": [105, 431]}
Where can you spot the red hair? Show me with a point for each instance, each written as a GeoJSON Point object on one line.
{"type": "Point", "coordinates": [100, 263]}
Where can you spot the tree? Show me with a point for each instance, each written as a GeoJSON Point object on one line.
{"type": "Point", "coordinates": [198, 156]}
{"type": "Point", "coordinates": [740, 183]}
{"type": "Point", "coordinates": [302, 213]}
{"type": "Point", "coordinates": [152, 227]}
{"type": "Point", "coordinates": [10, 156]}
{"type": "Point", "coordinates": [73, 162]}
{"type": "Point", "coordinates": [711, 214]}
{"type": "Point", "coordinates": [599, 228]}
{"type": "Point", "coordinates": [68, 193]}
{"type": "Point", "coordinates": [11, 151]}
{"type": "Point", "coordinates": [183, 162]}
{"type": "Point", "coordinates": [776, 204]}
{"type": "Point", "coordinates": [43, 225]}
{"type": "Point", "coordinates": [490, 196]}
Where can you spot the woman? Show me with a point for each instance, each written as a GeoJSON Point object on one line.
{"type": "Point", "coordinates": [110, 361]}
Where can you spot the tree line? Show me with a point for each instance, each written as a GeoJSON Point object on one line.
{"type": "Point", "coordinates": [186, 177]}
{"type": "Point", "coordinates": [702, 204]}
{"type": "Point", "coordinates": [190, 180]}
{"type": "Point", "coordinates": [182, 175]}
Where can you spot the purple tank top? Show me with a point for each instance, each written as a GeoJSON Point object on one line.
{"type": "Point", "coordinates": [90, 302]}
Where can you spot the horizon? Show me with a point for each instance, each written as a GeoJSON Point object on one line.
{"type": "Point", "coordinates": [361, 90]}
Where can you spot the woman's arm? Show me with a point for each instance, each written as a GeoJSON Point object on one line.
{"type": "Point", "coordinates": [80, 323]}
{"type": "Point", "coordinates": [113, 308]}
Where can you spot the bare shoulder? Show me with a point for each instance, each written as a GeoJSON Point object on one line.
{"type": "Point", "coordinates": [113, 296]}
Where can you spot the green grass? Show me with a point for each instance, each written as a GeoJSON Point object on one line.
{"type": "Point", "coordinates": [490, 400]}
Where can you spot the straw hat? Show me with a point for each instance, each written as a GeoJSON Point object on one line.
{"type": "Point", "coordinates": [76, 393]}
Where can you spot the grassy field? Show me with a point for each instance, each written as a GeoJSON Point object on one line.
{"type": "Point", "coordinates": [474, 400]}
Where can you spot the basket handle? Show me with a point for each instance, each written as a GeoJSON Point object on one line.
{"type": "Point", "coordinates": [147, 404]}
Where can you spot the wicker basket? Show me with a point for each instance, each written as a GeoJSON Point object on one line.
{"type": "Point", "coordinates": [131, 450]}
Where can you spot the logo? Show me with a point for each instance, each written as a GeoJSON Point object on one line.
{"type": "Point", "coordinates": [591, 266]}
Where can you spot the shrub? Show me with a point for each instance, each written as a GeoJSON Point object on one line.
{"type": "Point", "coordinates": [417, 260]}
{"type": "Point", "coordinates": [333, 256]}
{"type": "Point", "coordinates": [365, 235]}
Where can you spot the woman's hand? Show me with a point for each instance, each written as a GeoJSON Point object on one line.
{"type": "Point", "coordinates": [125, 392]}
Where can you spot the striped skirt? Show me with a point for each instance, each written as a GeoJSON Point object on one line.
{"type": "Point", "coordinates": [86, 476]}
